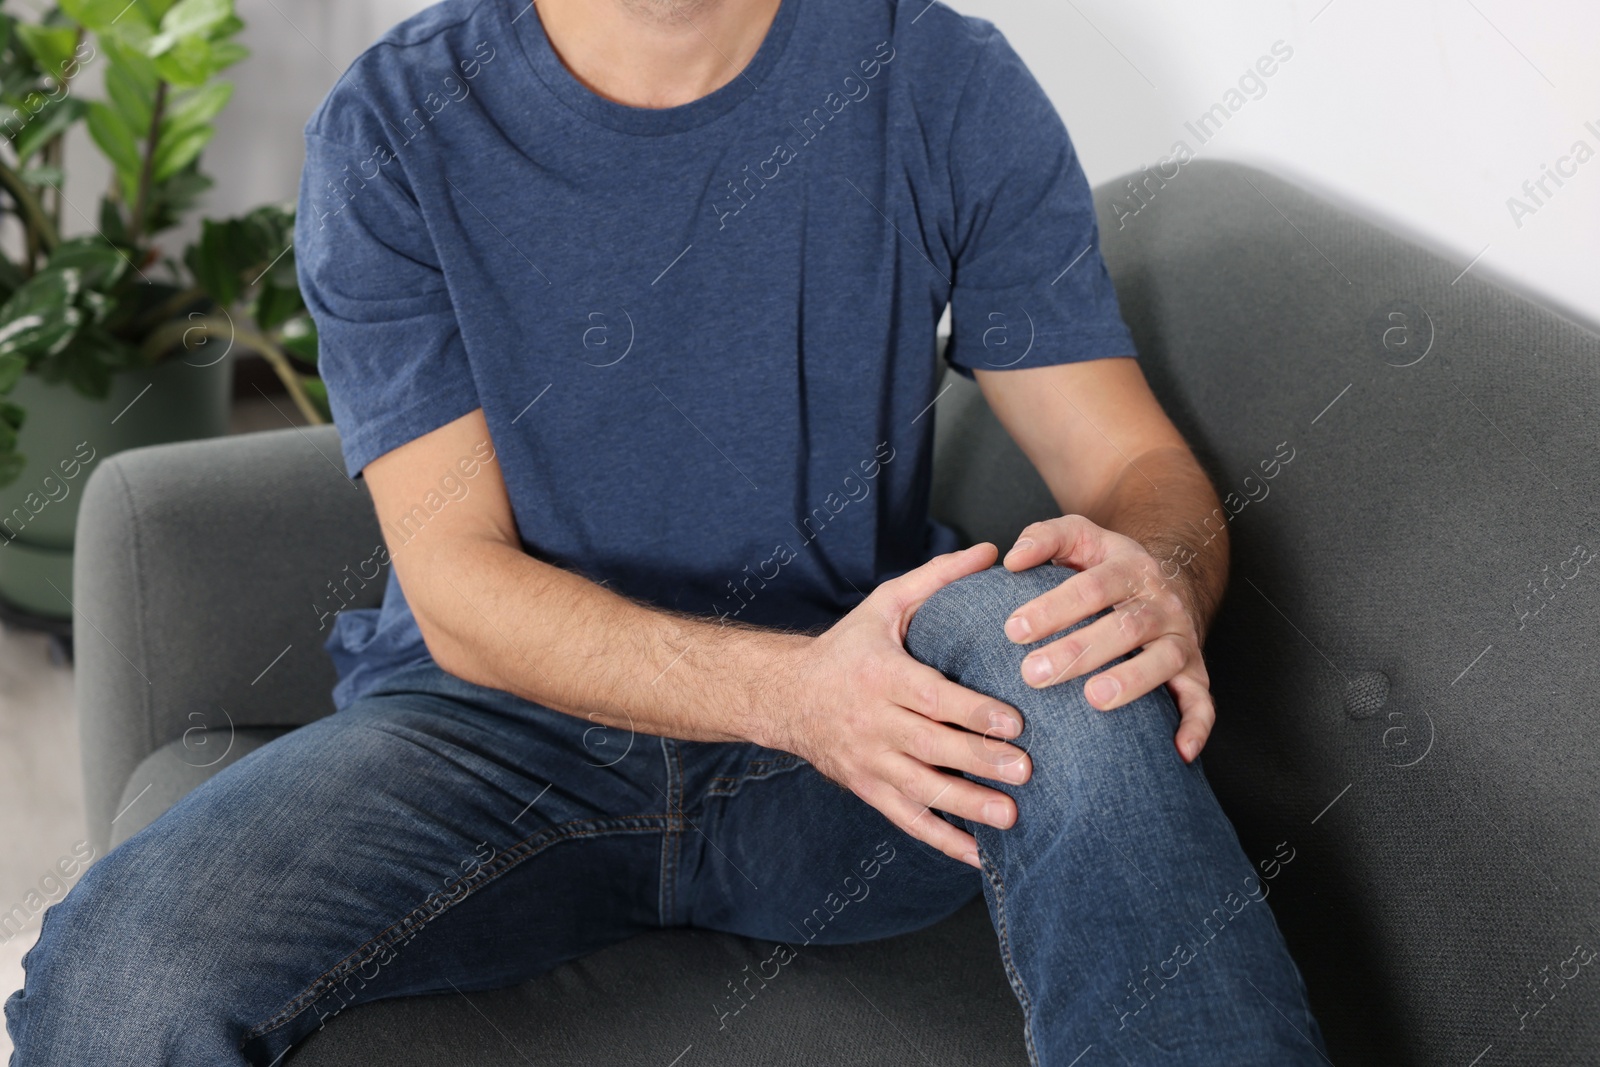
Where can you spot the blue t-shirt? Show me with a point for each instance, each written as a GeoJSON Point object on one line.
{"type": "Point", "coordinates": [703, 337]}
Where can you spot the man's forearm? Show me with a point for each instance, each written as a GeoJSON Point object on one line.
{"type": "Point", "coordinates": [1164, 501]}
{"type": "Point", "coordinates": [497, 617]}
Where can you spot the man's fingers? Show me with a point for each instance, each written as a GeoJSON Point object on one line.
{"type": "Point", "coordinates": [943, 791]}
{"type": "Point", "coordinates": [1071, 539]}
{"type": "Point", "coordinates": [1198, 711]}
{"type": "Point", "coordinates": [1131, 679]}
{"type": "Point", "coordinates": [1084, 594]}
{"type": "Point", "coordinates": [934, 744]}
{"type": "Point", "coordinates": [921, 822]}
{"type": "Point", "coordinates": [1089, 648]}
{"type": "Point", "coordinates": [927, 692]}
{"type": "Point", "coordinates": [905, 594]}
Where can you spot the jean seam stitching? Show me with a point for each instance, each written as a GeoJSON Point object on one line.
{"type": "Point", "coordinates": [677, 856]}
{"type": "Point", "coordinates": [1003, 929]}
{"type": "Point", "coordinates": [669, 836]}
{"type": "Point", "coordinates": [508, 858]}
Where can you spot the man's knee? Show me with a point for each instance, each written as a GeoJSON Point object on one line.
{"type": "Point", "coordinates": [960, 630]}
{"type": "Point", "coordinates": [113, 969]}
{"type": "Point", "coordinates": [962, 626]}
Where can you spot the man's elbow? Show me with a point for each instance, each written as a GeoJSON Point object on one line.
{"type": "Point", "coordinates": [450, 654]}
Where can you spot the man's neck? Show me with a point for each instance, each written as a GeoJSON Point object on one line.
{"type": "Point", "coordinates": [656, 53]}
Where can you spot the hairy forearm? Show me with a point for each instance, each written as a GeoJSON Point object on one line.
{"type": "Point", "coordinates": [1164, 500]}
{"type": "Point", "coordinates": [497, 617]}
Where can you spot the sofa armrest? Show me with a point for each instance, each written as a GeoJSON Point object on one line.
{"type": "Point", "coordinates": [1404, 665]}
{"type": "Point", "coordinates": [204, 586]}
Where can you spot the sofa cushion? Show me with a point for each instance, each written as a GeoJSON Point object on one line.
{"type": "Point", "coordinates": [936, 997]}
{"type": "Point", "coordinates": [163, 777]}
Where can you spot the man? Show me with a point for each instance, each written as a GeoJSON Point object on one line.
{"type": "Point", "coordinates": [627, 311]}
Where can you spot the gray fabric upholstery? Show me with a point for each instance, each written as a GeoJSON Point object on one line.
{"type": "Point", "coordinates": [163, 777]}
{"type": "Point", "coordinates": [1429, 757]}
{"type": "Point", "coordinates": [1463, 858]}
{"type": "Point", "coordinates": [936, 997]}
{"type": "Point", "coordinates": [197, 565]}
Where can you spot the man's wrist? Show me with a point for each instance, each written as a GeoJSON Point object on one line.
{"type": "Point", "coordinates": [1192, 574]}
{"type": "Point", "coordinates": [769, 689]}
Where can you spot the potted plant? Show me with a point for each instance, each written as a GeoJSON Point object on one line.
{"type": "Point", "coordinates": [107, 341]}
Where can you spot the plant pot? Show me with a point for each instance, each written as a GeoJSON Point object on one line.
{"type": "Point", "coordinates": [64, 438]}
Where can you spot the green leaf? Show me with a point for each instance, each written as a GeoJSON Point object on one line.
{"type": "Point", "coordinates": [99, 306]}
{"type": "Point", "coordinates": [111, 222]}
{"type": "Point", "coordinates": [189, 19]}
{"type": "Point", "coordinates": [193, 61]}
{"type": "Point", "coordinates": [99, 265]}
{"type": "Point", "coordinates": [216, 260]}
{"type": "Point", "coordinates": [50, 47]}
{"type": "Point", "coordinates": [235, 254]}
{"type": "Point", "coordinates": [275, 305]}
{"type": "Point", "coordinates": [124, 50]}
{"type": "Point", "coordinates": [18, 78]}
{"type": "Point", "coordinates": [226, 53]}
{"type": "Point", "coordinates": [195, 109]}
{"type": "Point", "coordinates": [131, 95]}
{"type": "Point", "coordinates": [171, 199]}
{"type": "Point", "coordinates": [155, 10]}
{"type": "Point", "coordinates": [43, 177]}
{"type": "Point", "coordinates": [40, 319]}
{"type": "Point", "coordinates": [172, 156]}
{"type": "Point", "coordinates": [187, 64]}
{"type": "Point", "coordinates": [115, 137]}
{"type": "Point", "coordinates": [87, 363]}
{"type": "Point", "coordinates": [55, 118]}
{"type": "Point", "coordinates": [11, 368]}
{"type": "Point", "coordinates": [40, 334]}
{"type": "Point", "coordinates": [12, 414]}
{"type": "Point", "coordinates": [186, 130]}
{"type": "Point", "coordinates": [113, 353]}
{"type": "Point", "coordinates": [119, 143]}
{"type": "Point", "coordinates": [104, 15]}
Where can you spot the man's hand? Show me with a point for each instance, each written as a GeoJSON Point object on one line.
{"type": "Point", "coordinates": [864, 712]}
{"type": "Point", "coordinates": [1152, 612]}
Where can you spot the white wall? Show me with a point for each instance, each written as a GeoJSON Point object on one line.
{"type": "Point", "coordinates": [300, 47]}
{"type": "Point", "coordinates": [1427, 114]}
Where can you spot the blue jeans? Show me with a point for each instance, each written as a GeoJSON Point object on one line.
{"type": "Point", "coordinates": [397, 848]}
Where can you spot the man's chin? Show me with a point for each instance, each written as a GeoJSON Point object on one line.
{"type": "Point", "coordinates": [669, 12]}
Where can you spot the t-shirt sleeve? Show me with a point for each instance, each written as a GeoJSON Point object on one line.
{"type": "Point", "coordinates": [1029, 287]}
{"type": "Point", "coordinates": [389, 343]}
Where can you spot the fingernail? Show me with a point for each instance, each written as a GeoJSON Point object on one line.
{"type": "Point", "coordinates": [1103, 690]}
{"type": "Point", "coordinates": [1036, 669]}
{"type": "Point", "coordinates": [1017, 629]}
{"type": "Point", "coordinates": [1004, 725]}
{"type": "Point", "coordinates": [1017, 771]}
{"type": "Point", "coordinates": [1021, 544]}
{"type": "Point", "coordinates": [996, 814]}
{"type": "Point", "coordinates": [972, 858]}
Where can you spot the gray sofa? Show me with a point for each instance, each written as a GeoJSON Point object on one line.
{"type": "Point", "coordinates": [1406, 664]}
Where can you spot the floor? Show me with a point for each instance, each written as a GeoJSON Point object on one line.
{"type": "Point", "coordinates": [41, 783]}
